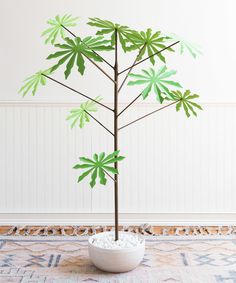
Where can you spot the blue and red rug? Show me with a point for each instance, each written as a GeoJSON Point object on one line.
{"type": "Point", "coordinates": [180, 259]}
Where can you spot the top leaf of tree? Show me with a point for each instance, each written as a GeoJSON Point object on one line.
{"type": "Point", "coordinates": [156, 81]}
{"type": "Point", "coordinates": [148, 42]}
{"type": "Point", "coordinates": [107, 27]}
{"type": "Point", "coordinates": [32, 83]}
{"type": "Point", "coordinates": [74, 50]}
{"type": "Point", "coordinates": [185, 45]}
{"type": "Point", "coordinates": [185, 101]}
{"type": "Point", "coordinates": [99, 166]}
{"type": "Point", "coordinates": [56, 27]}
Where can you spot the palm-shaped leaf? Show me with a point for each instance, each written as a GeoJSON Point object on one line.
{"type": "Point", "coordinates": [185, 45]}
{"type": "Point", "coordinates": [156, 81]}
{"type": "Point", "coordinates": [97, 43]}
{"type": "Point", "coordinates": [149, 43]}
{"type": "Point", "coordinates": [32, 83]}
{"type": "Point", "coordinates": [98, 167]}
{"type": "Point", "coordinates": [185, 101]}
{"type": "Point", "coordinates": [81, 114]}
{"type": "Point", "coordinates": [56, 27]}
{"type": "Point", "coordinates": [73, 52]}
{"type": "Point", "coordinates": [107, 27]}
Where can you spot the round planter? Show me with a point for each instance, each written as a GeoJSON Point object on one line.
{"type": "Point", "coordinates": [115, 260]}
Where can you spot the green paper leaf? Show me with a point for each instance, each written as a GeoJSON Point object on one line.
{"type": "Point", "coordinates": [102, 177]}
{"type": "Point", "coordinates": [155, 81]}
{"type": "Point", "coordinates": [185, 102]}
{"type": "Point", "coordinates": [97, 43]}
{"type": "Point", "coordinates": [80, 114]}
{"type": "Point", "coordinates": [32, 82]}
{"type": "Point", "coordinates": [56, 27]}
{"type": "Point", "coordinates": [73, 51]}
{"type": "Point", "coordinates": [149, 43]}
{"type": "Point", "coordinates": [94, 177]}
{"type": "Point", "coordinates": [184, 45]}
{"type": "Point", "coordinates": [98, 167]}
{"type": "Point", "coordinates": [107, 27]}
{"type": "Point", "coordinates": [86, 173]}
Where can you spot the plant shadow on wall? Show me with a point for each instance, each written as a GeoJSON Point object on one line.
{"type": "Point", "coordinates": [72, 52]}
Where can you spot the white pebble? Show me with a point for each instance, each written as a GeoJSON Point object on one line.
{"type": "Point", "coordinates": [125, 241]}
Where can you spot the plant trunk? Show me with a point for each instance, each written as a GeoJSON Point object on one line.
{"type": "Point", "coordinates": [116, 136]}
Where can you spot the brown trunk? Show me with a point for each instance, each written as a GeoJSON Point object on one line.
{"type": "Point", "coordinates": [116, 136]}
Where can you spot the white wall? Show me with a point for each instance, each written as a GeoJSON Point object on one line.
{"type": "Point", "coordinates": [189, 165]}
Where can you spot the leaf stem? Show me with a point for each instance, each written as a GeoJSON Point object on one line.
{"type": "Point", "coordinates": [148, 57]}
{"type": "Point", "coordinates": [126, 77]}
{"type": "Point", "coordinates": [99, 122]}
{"type": "Point", "coordinates": [142, 117]}
{"type": "Point", "coordinates": [129, 104]}
{"type": "Point", "coordinates": [74, 90]}
{"type": "Point", "coordinates": [109, 175]}
{"type": "Point", "coordinates": [105, 73]}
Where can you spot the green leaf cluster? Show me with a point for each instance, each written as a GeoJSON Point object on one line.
{"type": "Point", "coordinates": [185, 45]}
{"type": "Point", "coordinates": [185, 101]}
{"type": "Point", "coordinates": [56, 27]}
{"type": "Point", "coordinates": [157, 81]}
{"type": "Point", "coordinates": [98, 167]}
{"type": "Point", "coordinates": [73, 52]}
{"type": "Point", "coordinates": [81, 114]}
{"type": "Point", "coordinates": [32, 83]}
{"type": "Point", "coordinates": [107, 27]}
{"type": "Point", "coordinates": [148, 42]}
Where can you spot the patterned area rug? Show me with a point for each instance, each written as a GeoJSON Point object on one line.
{"type": "Point", "coordinates": [178, 259]}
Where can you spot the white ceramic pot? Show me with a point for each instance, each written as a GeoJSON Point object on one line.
{"type": "Point", "coordinates": [116, 260]}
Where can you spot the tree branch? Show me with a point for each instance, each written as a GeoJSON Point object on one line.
{"type": "Point", "coordinates": [142, 117]}
{"type": "Point", "coordinates": [99, 122]}
{"type": "Point", "coordinates": [129, 104]}
{"type": "Point", "coordinates": [148, 57]}
{"type": "Point", "coordinates": [88, 47]}
{"type": "Point", "coordinates": [74, 90]}
{"type": "Point", "coordinates": [126, 77]}
{"type": "Point", "coordinates": [105, 73]}
{"type": "Point", "coordinates": [109, 175]}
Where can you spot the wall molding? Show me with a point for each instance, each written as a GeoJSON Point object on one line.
{"type": "Point", "coordinates": [162, 219]}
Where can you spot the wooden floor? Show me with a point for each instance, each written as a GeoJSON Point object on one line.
{"type": "Point", "coordinates": [160, 230]}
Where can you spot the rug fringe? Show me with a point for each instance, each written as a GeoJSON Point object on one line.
{"type": "Point", "coordinates": [144, 229]}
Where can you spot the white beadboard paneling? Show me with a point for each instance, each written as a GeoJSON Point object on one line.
{"type": "Point", "coordinates": [173, 164]}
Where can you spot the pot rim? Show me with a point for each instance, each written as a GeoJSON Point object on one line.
{"type": "Point", "coordinates": [121, 250]}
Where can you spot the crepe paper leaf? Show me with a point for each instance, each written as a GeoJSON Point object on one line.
{"type": "Point", "coordinates": [73, 52]}
{"type": "Point", "coordinates": [185, 45]}
{"type": "Point", "coordinates": [156, 81]}
{"type": "Point", "coordinates": [97, 43]}
{"type": "Point", "coordinates": [56, 27]}
{"type": "Point", "coordinates": [32, 83]}
{"type": "Point", "coordinates": [80, 114]}
{"type": "Point", "coordinates": [150, 43]}
{"type": "Point", "coordinates": [185, 102]}
{"type": "Point", "coordinates": [107, 27]}
{"type": "Point", "coordinates": [98, 167]}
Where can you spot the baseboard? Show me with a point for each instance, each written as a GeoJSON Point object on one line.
{"type": "Point", "coordinates": [157, 219]}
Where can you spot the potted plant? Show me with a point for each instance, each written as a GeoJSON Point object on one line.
{"type": "Point", "coordinates": [118, 251]}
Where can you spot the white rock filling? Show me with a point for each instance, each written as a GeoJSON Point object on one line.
{"type": "Point", "coordinates": [125, 241]}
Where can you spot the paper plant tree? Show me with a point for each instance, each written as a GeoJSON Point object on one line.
{"type": "Point", "coordinates": [72, 52]}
